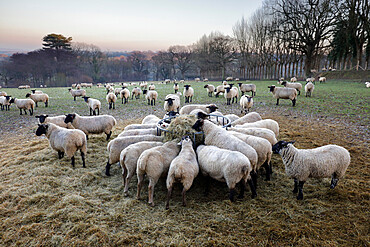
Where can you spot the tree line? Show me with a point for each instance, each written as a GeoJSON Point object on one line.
{"type": "Point", "coordinates": [283, 38]}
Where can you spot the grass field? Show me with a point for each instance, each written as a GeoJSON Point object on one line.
{"type": "Point", "coordinates": [45, 202]}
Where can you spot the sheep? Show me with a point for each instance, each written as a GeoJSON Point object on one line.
{"type": "Point", "coordinates": [219, 89]}
{"type": "Point", "coordinates": [227, 166]}
{"type": "Point", "coordinates": [244, 88]}
{"type": "Point", "coordinates": [65, 141]}
{"type": "Point", "coordinates": [57, 120]}
{"type": "Point", "coordinates": [92, 125]}
{"type": "Point", "coordinates": [296, 85]}
{"type": "Point", "coordinates": [308, 88]}
{"type": "Point", "coordinates": [151, 87]}
{"type": "Point", "coordinates": [197, 79]}
{"type": "Point", "coordinates": [293, 79]}
{"type": "Point", "coordinates": [246, 102]}
{"type": "Point", "coordinates": [259, 132]}
{"type": "Point", "coordinates": [322, 79]}
{"type": "Point", "coordinates": [136, 132]}
{"type": "Point", "coordinates": [111, 99]}
{"type": "Point", "coordinates": [283, 93]}
{"type": "Point", "coordinates": [181, 81]}
{"type": "Point", "coordinates": [367, 84]}
{"type": "Point", "coordinates": [150, 119]}
{"type": "Point", "coordinates": [217, 118]}
{"type": "Point", "coordinates": [248, 118]}
{"type": "Point", "coordinates": [5, 102]}
{"type": "Point", "coordinates": [263, 148]}
{"type": "Point", "coordinates": [77, 93]}
{"type": "Point", "coordinates": [311, 79]}
{"type": "Point", "coordinates": [93, 105]}
{"type": "Point", "coordinates": [189, 108]}
{"type": "Point", "coordinates": [151, 96]}
{"type": "Point", "coordinates": [116, 146]}
{"type": "Point", "coordinates": [25, 104]}
{"type": "Point", "coordinates": [74, 85]}
{"type": "Point", "coordinates": [153, 163]}
{"type": "Point", "coordinates": [210, 89]}
{"type": "Point", "coordinates": [188, 93]}
{"type": "Point", "coordinates": [232, 117]}
{"type": "Point", "coordinates": [39, 98]}
{"type": "Point", "coordinates": [140, 126]}
{"type": "Point", "coordinates": [234, 93]}
{"type": "Point", "coordinates": [143, 85]}
{"type": "Point", "coordinates": [136, 91]}
{"type": "Point", "coordinates": [128, 160]}
{"type": "Point", "coordinates": [125, 94]}
{"type": "Point", "coordinates": [230, 78]}
{"type": "Point", "coordinates": [176, 87]}
{"type": "Point", "coordinates": [301, 164]}
{"type": "Point", "coordinates": [3, 93]}
{"type": "Point", "coordinates": [265, 123]}
{"type": "Point", "coordinates": [172, 103]}
{"type": "Point", "coordinates": [184, 169]}
{"type": "Point", "coordinates": [24, 87]}
{"type": "Point", "coordinates": [36, 91]}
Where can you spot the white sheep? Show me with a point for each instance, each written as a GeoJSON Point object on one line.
{"type": "Point", "coordinates": [151, 87]}
{"type": "Point", "coordinates": [231, 93]}
{"type": "Point", "coordinates": [227, 166]}
{"type": "Point", "coordinates": [125, 94]}
{"type": "Point", "coordinates": [116, 146]}
{"type": "Point", "coordinates": [296, 85]}
{"type": "Point", "coordinates": [184, 169]}
{"type": "Point", "coordinates": [77, 93]}
{"type": "Point", "coordinates": [150, 119]}
{"type": "Point", "coordinates": [197, 79]}
{"type": "Point", "coordinates": [367, 84]}
{"type": "Point", "coordinates": [136, 91]}
{"type": "Point", "coordinates": [93, 105]}
{"type": "Point", "coordinates": [138, 132]}
{"type": "Point", "coordinates": [111, 100]}
{"type": "Point", "coordinates": [293, 79]}
{"type": "Point", "coordinates": [260, 132]}
{"type": "Point", "coordinates": [322, 79]}
{"type": "Point", "coordinates": [151, 96]}
{"type": "Point", "coordinates": [43, 97]}
{"type": "Point", "coordinates": [244, 88]}
{"type": "Point", "coordinates": [3, 93]}
{"type": "Point", "coordinates": [92, 125]}
{"type": "Point", "coordinates": [176, 87]}
{"type": "Point", "coordinates": [25, 104]}
{"type": "Point", "coordinates": [265, 123]}
{"type": "Point", "coordinates": [322, 162]}
{"type": "Point", "coordinates": [283, 93]}
{"type": "Point", "coordinates": [308, 88]}
{"type": "Point", "coordinates": [172, 103]}
{"type": "Point", "coordinates": [140, 126]}
{"type": "Point", "coordinates": [153, 163]}
{"type": "Point", "coordinates": [210, 89]}
{"type": "Point", "coordinates": [311, 79]}
{"type": "Point", "coordinates": [187, 109]}
{"type": "Point", "coordinates": [246, 102]}
{"type": "Point", "coordinates": [65, 141]}
{"type": "Point", "coordinates": [219, 89]}
{"type": "Point", "coordinates": [5, 102]}
{"type": "Point", "coordinates": [188, 93]}
{"type": "Point", "coordinates": [36, 91]}
{"type": "Point", "coordinates": [248, 118]}
{"type": "Point", "coordinates": [128, 160]}
{"type": "Point", "coordinates": [57, 120]}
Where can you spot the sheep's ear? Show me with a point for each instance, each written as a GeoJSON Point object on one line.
{"type": "Point", "coordinates": [37, 116]}
{"type": "Point", "coordinates": [292, 142]}
{"type": "Point", "coordinates": [39, 125]}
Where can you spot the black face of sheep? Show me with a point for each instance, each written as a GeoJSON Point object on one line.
{"type": "Point", "coordinates": [8, 97]}
{"type": "Point", "coordinates": [69, 89]}
{"type": "Point", "coordinates": [201, 115]}
{"type": "Point", "coordinates": [170, 101]}
{"type": "Point", "coordinates": [280, 145]}
{"type": "Point", "coordinates": [228, 89]}
{"type": "Point", "coordinates": [198, 125]}
{"type": "Point", "coordinates": [28, 95]}
{"type": "Point", "coordinates": [240, 84]}
{"type": "Point", "coordinates": [69, 118]}
{"type": "Point", "coordinates": [145, 91]}
{"type": "Point", "coordinates": [283, 83]}
{"type": "Point", "coordinates": [271, 88]}
{"type": "Point", "coordinates": [205, 86]}
{"type": "Point", "coordinates": [42, 118]}
{"type": "Point", "coordinates": [12, 100]}
{"type": "Point", "coordinates": [187, 87]}
{"type": "Point", "coordinates": [33, 91]}
{"type": "Point", "coordinates": [172, 113]}
{"type": "Point", "coordinates": [212, 108]}
{"type": "Point", "coordinates": [231, 85]}
{"type": "Point", "coordinates": [41, 129]}
{"type": "Point", "coordinates": [86, 99]}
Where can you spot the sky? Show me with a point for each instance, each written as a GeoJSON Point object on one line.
{"type": "Point", "coordinates": [118, 25]}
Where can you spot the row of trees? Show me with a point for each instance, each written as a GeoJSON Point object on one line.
{"type": "Point", "coordinates": [281, 39]}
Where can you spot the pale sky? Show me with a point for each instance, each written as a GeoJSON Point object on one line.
{"type": "Point", "coordinates": [115, 25]}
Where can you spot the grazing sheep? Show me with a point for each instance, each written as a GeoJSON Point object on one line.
{"type": "Point", "coordinates": [188, 93]}
{"type": "Point", "coordinates": [296, 85]}
{"type": "Point", "coordinates": [140, 126]}
{"type": "Point", "coordinates": [3, 93]}
{"type": "Point", "coordinates": [39, 98]}
{"type": "Point", "coordinates": [205, 79]}
{"type": "Point", "coordinates": [248, 118]}
{"type": "Point", "coordinates": [227, 166]}
{"type": "Point", "coordinates": [36, 91]}
{"type": "Point", "coordinates": [154, 162]}
{"type": "Point", "coordinates": [197, 79]}
{"type": "Point", "coordinates": [176, 87]}
{"type": "Point", "coordinates": [246, 102]}
{"type": "Point", "coordinates": [125, 94]}
{"type": "Point", "coordinates": [150, 119]}
{"type": "Point", "coordinates": [116, 146]}
{"type": "Point", "coordinates": [210, 89]}
{"type": "Point", "coordinates": [244, 88]}
{"type": "Point", "coordinates": [283, 93]}
{"type": "Point", "coordinates": [308, 88]}
{"type": "Point", "coordinates": [5, 102]}
{"type": "Point", "coordinates": [93, 105]}
{"type": "Point", "coordinates": [136, 92]}
{"type": "Point", "coordinates": [143, 85]}
{"type": "Point", "coordinates": [219, 89]}
{"type": "Point", "coordinates": [293, 79]}
{"type": "Point", "coordinates": [57, 120]}
{"type": "Point", "coordinates": [77, 93]}
{"type": "Point", "coordinates": [128, 160]}
{"type": "Point", "coordinates": [265, 123]}
{"type": "Point", "coordinates": [151, 87]}
{"type": "Point", "coordinates": [25, 104]}
{"type": "Point", "coordinates": [111, 99]}
{"type": "Point", "coordinates": [230, 78]}
{"type": "Point", "coordinates": [172, 103]}
{"type": "Point", "coordinates": [259, 132]}
{"type": "Point", "coordinates": [151, 96]}
{"type": "Point", "coordinates": [231, 93]}
{"type": "Point", "coordinates": [367, 84]}
{"type": "Point", "coordinates": [184, 169]}
{"type": "Point", "coordinates": [92, 125]}
{"type": "Point", "coordinates": [311, 79]}
{"type": "Point", "coordinates": [65, 141]}
{"type": "Point", "coordinates": [138, 132]}
{"type": "Point", "coordinates": [322, 79]}
{"type": "Point", "coordinates": [187, 109]}
{"type": "Point", "coordinates": [301, 164]}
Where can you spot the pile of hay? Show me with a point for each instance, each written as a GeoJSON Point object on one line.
{"type": "Point", "coordinates": [181, 126]}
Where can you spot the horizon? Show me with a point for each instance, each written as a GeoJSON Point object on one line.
{"type": "Point", "coordinates": [118, 26]}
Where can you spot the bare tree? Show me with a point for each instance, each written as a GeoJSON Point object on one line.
{"type": "Point", "coordinates": [182, 57]}
{"type": "Point", "coordinates": [242, 40]}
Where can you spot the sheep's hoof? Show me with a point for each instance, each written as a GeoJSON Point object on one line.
{"type": "Point", "coordinates": [295, 190]}
{"type": "Point", "coordinates": [254, 196]}
{"type": "Point", "coordinates": [125, 193]}
{"type": "Point", "coordinates": [300, 197]}
{"type": "Point", "coordinates": [151, 204]}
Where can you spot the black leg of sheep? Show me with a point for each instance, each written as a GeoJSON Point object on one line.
{"type": "Point", "coordinates": [242, 189]}
{"type": "Point", "coordinates": [107, 168]}
{"type": "Point", "coordinates": [252, 187]}
{"type": "Point", "coordinates": [295, 190]}
{"type": "Point", "coordinates": [334, 181]}
{"type": "Point", "coordinates": [73, 161]}
{"type": "Point", "coordinates": [300, 190]}
{"type": "Point", "coordinates": [83, 159]}
{"type": "Point", "coordinates": [232, 194]}
{"type": "Point", "coordinates": [168, 197]}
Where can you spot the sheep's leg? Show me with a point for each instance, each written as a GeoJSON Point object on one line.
{"type": "Point", "coordinates": [60, 154]}
{"type": "Point", "coordinates": [236, 99]}
{"type": "Point", "coordinates": [36, 104]}
{"type": "Point", "coordinates": [270, 168]}
{"type": "Point", "coordinates": [242, 189]}
{"type": "Point", "coordinates": [191, 99]}
{"type": "Point", "coordinates": [168, 197]}
{"type": "Point", "coordinates": [267, 168]}
{"type": "Point", "coordinates": [293, 101]}
{"type": "Point", "coordinates": [83, 159]}
{"type": "Point", "coordinates": [108, 135]}
{"type": "Point", "coordinates": [98, 111]}
{"type": "Point", "coordinates": [127, 181]}
{"type": "Point", "coordinates": [132, 97]}
{"type": "Point", "coordinates": [252, 187]}
{"type": "Point", "coordinates": [74, 98]}
{"type": "Point", "coordinates": [46, 104]}
{"type": "Point", "coordinates": [277, 101]}
{"type": "Point", "coordinates": [148, 101]}
{"type": "Point", "coordinates": [334, 181]}
{"type": "Point", "coordinates": [122, 100]}
{"type": "Point", "coordinates": [114, 105]}
{"type": "Point", "coordinates": [295, 190]}
{"type": "Point", "coordinates": [107, 168]}
{"type": "Point", "coordinates": [299, 92]}
{"type": "Point", "coordinates": [151, 185]}
{"type": "Point", "coordinates": [73, 161]}
{"type": "Point", "coordinates": [87, 137]}
{"type": "Point", "coordinates": [300, 190]}
{"type": "Point", "coordinates": [140, 179]}
{"type": "Point", "coordinates": [184, 197]}
{"type": "Point", "coordinates": [90, 112]}
{"type": "Point", "coordinates": [232, 194]}
{"type": "Point", "coordinates": [254, 178]}
{"type": "Point", "coordinates": [154, 101]}
{"type": "Point", "coordinates": [207, 182]}
{"type": "Point", "coordinates": [31, 111]}
{"type": "Point", "coordinates": [20, 110]}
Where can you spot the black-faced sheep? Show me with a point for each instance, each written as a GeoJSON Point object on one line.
{"type": "Point", "coordinates": [25, 104]}
{"type": "Point", "coordinates": [283, 93]}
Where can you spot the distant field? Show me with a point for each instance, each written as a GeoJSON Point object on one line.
{"type": "Point", "coordinates": [45, 202]}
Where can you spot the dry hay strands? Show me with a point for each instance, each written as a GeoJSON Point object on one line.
{"type": "Point", "coordinates": [182, 126]}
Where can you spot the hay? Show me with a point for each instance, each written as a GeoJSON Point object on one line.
{"type": "Point", "coordinates": [182, 126]}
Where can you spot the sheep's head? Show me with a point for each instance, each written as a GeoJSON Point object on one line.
{"type": "Point", "coordinates": [69, 89]}
{"type": "Point", "coordinates": [8, 97]}
{"type": "Point", "coordinates": [176, 84]}
{"type": "Point", "coordinates": [212, 108]}
{"type": "Point", "coordinates": [231, 85]}
{"type": "Point", "coordinates": [249, 98]}
{"type": "Point", "coordinates": [12, 100]}
{"type": "Point", "coordinates": [227, 89]}
{"type": "Point", "coordinates": [198, 125]}
{"type": "Point", "coordinates": [185, 140]}
{"type": "Point", "coordinates": [240, 84]}
{"type": "Point", "coordinates": [42, 129]}
{"type": "Point", "coordinates": [205, 86]}
{"type": "Point", "coordinates": [201, 115]}
{"type": "Point", "coordinates": [28, 95]}
{"type": "Point", "coordinates": [145, 91]}
{"type": "Point", "coordinates": [86, 99]}
{"type": "Point", "coordinates": [280, 145]}
{"type": "Point", "coordinates": [271, 88]}
{"type": "Point", "coordinates": [42, 118]}
{"type": "Point", "coordinates": [170, 101]}
{"type": "Point", "coordinates": [284, 83]}
{"type": "Point", "coordinates": [70, 118]}
{"type": "Point", "coordinates": [33, 91]}
{"type": "Point", "coordinates": [172, 113]}
{"type": "Point", "coordinates": [186, 86]}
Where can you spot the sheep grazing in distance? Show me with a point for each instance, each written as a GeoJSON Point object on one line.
{"type": "Point", "coordinates": [111, 100]}
{"type": "Point", "coordinates": [136, 92]}
{"type": "Point", "coordinates": [197, 79]}
{"type": "Point", "coordinates": [322, 79]}
{"type": "Point", "coordinates": [36, 91]}
{"type": "Point", "coordinates": [5, 102]}
{"type": "Point", "coordinates": [92, 125]}
{"type": "Point", "coordinates": [227, 166]}
{"type": "Point", "coordinates": [296, 85]}
{"type": "Point", "coordinates": [176, 87]}
{"type": "Point", "coordinates": [189, 108]}
{"type": "Point", "coordinates": [265, 123]}
{"type": "Point", "coordinates": [3, 93]}
{"type": "Point", "coordinates": [210, 89]}
{"type": "Point", "coordinates": [311, 79]}
{"type": "Point", "coordinates": [151, 87]}
{"type": "Point", "coordinates": [65, 141]}
{"type": "Point", "coordinates": [184, 169]}
{"type": "Point", "coordinates": [246, 102]}
{"type": "Point", "coordinates": [244, 88]}
{"type": "Point", "coordinates": [153, 163]}
{"type": "Point", "coordinates": [57, 120]}
{"type": "Point", "coordinates": [259, 132]}
{"type": "Point", "coordinates": [293, 79]}
{"type": "Point", "coordinates": [39, 98]}
{"type": "Point", "coordinates": [367, 84]}
{"type": "Point", "coordinates": [172, 103]}
{"type": "Point", "coordinates": [219, 89]}
{"type": "Point", "coordinates": [125, 94]}
{"type": "Point", "coordinates": [25, 104]}
{"type": "Point", "coordinates": [93, 105]}
{"type": "Point", "coordinates": [151, 96]}
{"type": "Point", "coordinates": [77, 93]}
{"type": "Point", "coordinates": [143, 85]}
{"type": "Point", "coordinates": [308, 88]}
{"type": "Point", "coordinates": [283, 93]}
{"type": "Point", "coordinates": [301, 164]}
{"type": "Point", "coordinates": [248, 118]}
{"type": "Point", "coordinates": [188, 93]}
